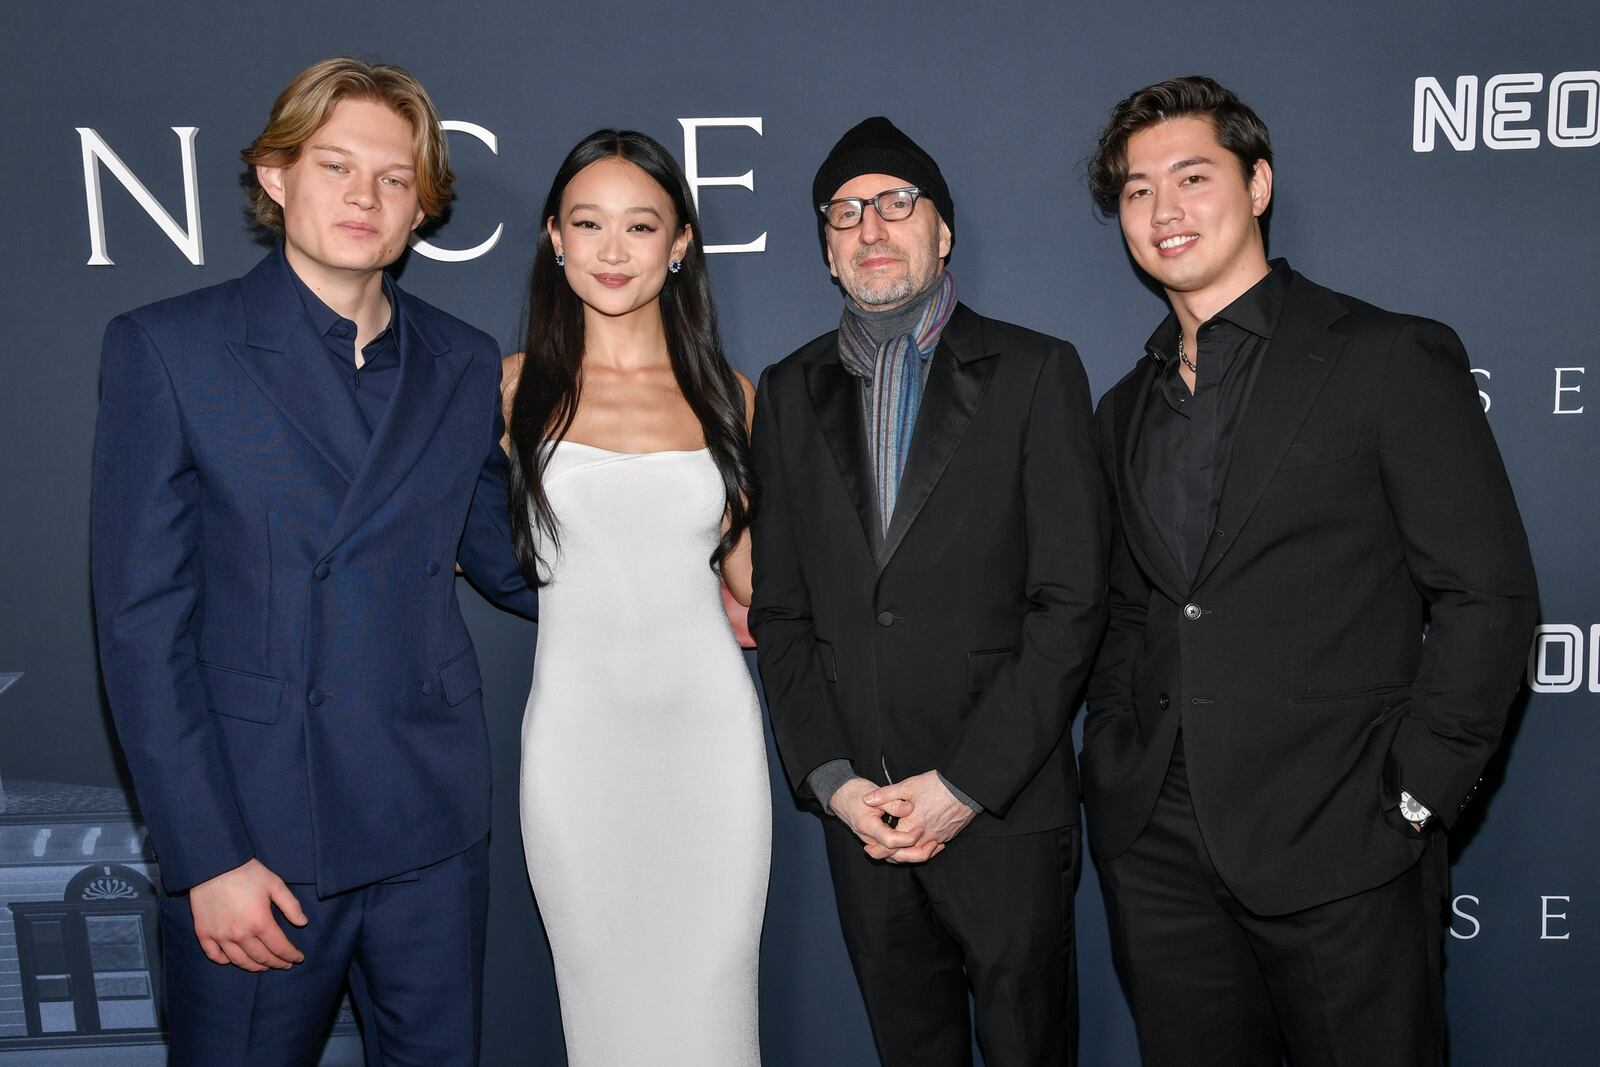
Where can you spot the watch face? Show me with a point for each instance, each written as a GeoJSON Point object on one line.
{"type": "Point", "coordinates": [1413, 811]}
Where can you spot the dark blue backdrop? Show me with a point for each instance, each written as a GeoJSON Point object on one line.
{"type": "Point", "coordinates": [1491, 229]}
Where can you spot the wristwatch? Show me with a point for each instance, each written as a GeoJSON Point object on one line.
{"type": "Point", "coordinates": [1413, 810]}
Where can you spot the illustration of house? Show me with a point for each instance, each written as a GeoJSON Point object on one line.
{"type": "Point", "coordinates": [78, 947]}
{"type": "Point", "coordinates": [80, 960]}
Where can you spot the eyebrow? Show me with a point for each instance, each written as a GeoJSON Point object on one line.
{"type": "Point", "coordinates": [1192, 161]}
{"type": "Point", "coordinates": [628, 211]}
{"type": "Point", "coordinates": [346, 152]}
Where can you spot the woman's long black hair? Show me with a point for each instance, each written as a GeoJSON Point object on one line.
{"type": "Point", "coordinates": [551, 380]}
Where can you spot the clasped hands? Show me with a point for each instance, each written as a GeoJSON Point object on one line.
{"type": "Point", "coordinates": [929, 816]}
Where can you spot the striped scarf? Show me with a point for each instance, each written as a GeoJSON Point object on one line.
{"type": "Point", "coordinates": [894, 373]}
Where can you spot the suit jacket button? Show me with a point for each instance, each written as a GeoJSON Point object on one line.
{"type": "Point", "coordinates": [314, 698]}
{"type": "Point", "coordinates": [1163, 702]}
{"type": "Point", "coordinates": [320, 572]}
{"type": "Point", "coordinates": [885, 618]}
{"type": "Point", "coordinates": [1191, 611]}
{"type": "Point", "coordinates": [427, 688]}
{"type": "Point", "coordinates": [432, 568]}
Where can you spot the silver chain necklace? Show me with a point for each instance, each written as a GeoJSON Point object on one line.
{"type": "Point", "coordinates": [1183, 357]}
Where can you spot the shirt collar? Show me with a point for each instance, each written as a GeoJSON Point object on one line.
{"type": "Point", "coordinates": [327, 321]}
{"type": "Point", "coordinates": [1256, 309]}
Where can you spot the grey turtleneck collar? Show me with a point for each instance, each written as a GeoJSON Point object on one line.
{"type": "Point", "coordinates": [882, 326]}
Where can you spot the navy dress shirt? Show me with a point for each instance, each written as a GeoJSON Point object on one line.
{"type": "Point", "coordinates": [374, 382]}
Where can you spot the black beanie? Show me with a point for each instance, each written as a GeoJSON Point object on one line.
{"type": "Point", "coordinates": [876, 146]}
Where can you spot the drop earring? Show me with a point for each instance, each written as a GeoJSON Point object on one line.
{"type": "Point", "coordinates": [561, 260]}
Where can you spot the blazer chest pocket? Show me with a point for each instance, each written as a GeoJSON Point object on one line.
{"type": "Point", "coordinates": [460, 678]}
{"type": "Point", "coordinates": [241, 694]}
{"type": "Point", "coordinates": [1321, 450]}
{"type": "Point", "coordinates": [984, 665]}
{"type": "Point", "coordinates": [827, 661]}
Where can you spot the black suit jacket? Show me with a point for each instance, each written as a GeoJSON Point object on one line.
{"type": "Point", "coordinates": [1366, 503]}
{"type": "Point", "coordinates": [959, 641]}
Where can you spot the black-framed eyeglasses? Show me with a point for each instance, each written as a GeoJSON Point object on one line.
{"type": "Point", "coordinates": [892, 205]}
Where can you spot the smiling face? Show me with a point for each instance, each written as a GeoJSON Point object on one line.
{"type": "Point", "coordinates": [881, 265]}
{"type": "Point", "coordinates": [618, 231]}
{"type": "Point", "coordinates": [1190, 217]}
{"type": "Point", "coordinates": [349, 200]}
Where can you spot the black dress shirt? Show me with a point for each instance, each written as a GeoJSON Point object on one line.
{"type": "Point", "coordinates": [373, 383]}
{"type": "Point", "coordinates": [1180, 460]}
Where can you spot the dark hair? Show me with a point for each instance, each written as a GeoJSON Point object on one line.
{"type": "Point", "coordinates": [551, 381]}
{"type": "Point", "coordinates": [1239, 130]}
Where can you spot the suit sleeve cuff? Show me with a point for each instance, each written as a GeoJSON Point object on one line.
{"type": "Point", "coordinates": [977, 809]}
{"type": "Point", "coordinates": [826, 780]}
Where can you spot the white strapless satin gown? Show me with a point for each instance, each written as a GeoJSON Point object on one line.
{"type": "Point", "coordinates": [646, 811]}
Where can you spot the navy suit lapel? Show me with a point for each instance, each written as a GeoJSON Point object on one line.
{"type": "Point", "coordinates": [1144, 540]}
{"type": "Point", "coordinates": [957, 380]}
{"type": "Point", "coordinates": [836, 398]}
{"type": "Point", "coordinates": [1297, 363]}
{"type": "Point", "coordinates": [429, 374]}
{"type": "Point", "coordinates": [282, 354]}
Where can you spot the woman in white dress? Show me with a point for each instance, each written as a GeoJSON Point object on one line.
{"type": "Point", "coordinates": [646, 813]}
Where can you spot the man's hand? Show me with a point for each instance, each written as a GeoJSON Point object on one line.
{"type": "Point", "coordinates": [867, 819]}
{"type": "Point", "coordinates": [936, 815]}
{"type": "Point", "coordinates": [234, 923]}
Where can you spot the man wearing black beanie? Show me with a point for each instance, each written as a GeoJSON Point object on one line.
{"type": "Point", "coordinates": [929, 593]}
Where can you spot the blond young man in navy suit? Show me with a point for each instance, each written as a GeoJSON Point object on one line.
{"type": "Point", "coordinates": [287, 468]}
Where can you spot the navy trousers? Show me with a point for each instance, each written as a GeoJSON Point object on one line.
{"type": "Point", "coordinates": [410, 947]}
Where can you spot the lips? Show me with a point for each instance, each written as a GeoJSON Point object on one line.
{"type": "Point", "coordinates": [358, 229]}
{"type": "Point", "coordinates": [613, 281]}
{"type": "Point", "coordinates": [1177, 243]}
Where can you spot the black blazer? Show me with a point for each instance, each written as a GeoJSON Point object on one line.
{"type": "Point", "coordinates": [1365, 503]}
{"type": "Point", "coordinates": [959, 641]}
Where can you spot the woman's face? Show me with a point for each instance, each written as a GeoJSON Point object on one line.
{"type": "Point", "coordinates": [617, 230]}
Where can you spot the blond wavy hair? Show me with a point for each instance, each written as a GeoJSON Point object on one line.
{"type": "Point", "coordinates": [308, 102]}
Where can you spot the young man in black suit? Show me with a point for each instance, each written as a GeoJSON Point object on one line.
{"type": "Point", "coordinates": [929, 592]}
{"type": "Point", "coordinates": [1305, 486]}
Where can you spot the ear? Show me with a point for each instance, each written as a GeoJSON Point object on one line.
{"type": "Point", "coordinates": [827, 249]}
{"type": "Point", "coordinates": [271, 179]}
{"type": "Point", "coordinates": [417, 219]}
{"type": "Point", "coordinates": [945, 239]}
{"type": "Point", "coordinates": [680, 247]}
{"type": "Point", "coordinates": [1260, 187]}
{"type": "Point", "coordinates": [554, 231]}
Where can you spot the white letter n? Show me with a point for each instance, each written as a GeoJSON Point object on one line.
{"type": "Point", "coordinates": [96, 151]}
{"type": "Point", "coordinates": [1457, 117]}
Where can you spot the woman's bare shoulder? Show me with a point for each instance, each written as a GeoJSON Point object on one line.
{"type": "Point", "coordinates": [510, 370]}
{"type": "Point", "coordinates": [749, 398]}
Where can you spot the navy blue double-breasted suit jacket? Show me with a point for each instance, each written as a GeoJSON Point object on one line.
{"type": "Point", "coordinates": [282, 647]}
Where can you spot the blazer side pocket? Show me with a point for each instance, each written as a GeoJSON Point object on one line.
{"type": "Point", "coordinates": [241, 694]}
{"type": "Point", "coordinates": [827, 661]}
{"type": "Point", "coordinates": [982, 666]}
{"type": "Point", "coordinates": [460, 677]}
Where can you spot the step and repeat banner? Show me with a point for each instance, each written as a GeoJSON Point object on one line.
{"type": "Point", "coordinates": [1436, 158]}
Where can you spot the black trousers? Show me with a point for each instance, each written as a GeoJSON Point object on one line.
{"type": "Point", "coordinates": [1356, 981]}
{"type": "Point", "coordinates": [411, 949]}
{"type": "Point", "coordinates": [989, 914]}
